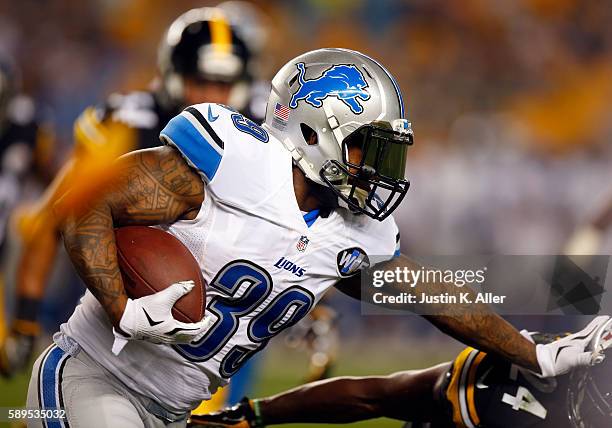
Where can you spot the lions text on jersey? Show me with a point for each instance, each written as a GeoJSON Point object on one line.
{"type": "Point", "coordinates": [265, 263]}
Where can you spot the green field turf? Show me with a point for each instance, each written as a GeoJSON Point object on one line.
{"type": "Point", "coordinates": [283, 368]}
{"type": "Point", "coordinates": [12, 394]}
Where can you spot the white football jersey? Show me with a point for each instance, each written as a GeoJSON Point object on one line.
{"type": "Point", "coordinates": [266, 264]}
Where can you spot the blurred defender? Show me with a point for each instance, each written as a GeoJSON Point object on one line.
{"type": "Point", "coordinates": [476, 390]}
{"type": "Point", "coordinates": [25, 146]}
{"type": "Point", "coordinates": [588, 238]}
{"type": "Point", "coordinates": [201, 58]}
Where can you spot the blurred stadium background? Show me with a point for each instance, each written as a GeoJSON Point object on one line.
{"type": "Point", "coordinates": [509, 100]}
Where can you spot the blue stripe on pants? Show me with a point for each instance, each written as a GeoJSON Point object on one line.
{"type": "Point", "coordinates": [50, 384]}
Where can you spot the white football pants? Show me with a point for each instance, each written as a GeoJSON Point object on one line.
{"type": "Point", "coordinates": [91, 396]}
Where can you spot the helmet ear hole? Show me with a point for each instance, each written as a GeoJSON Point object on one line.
{"type": "Point", "coordinates": [309, 134]}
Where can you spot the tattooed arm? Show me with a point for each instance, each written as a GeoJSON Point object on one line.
{"type": "Point", "coordinates": [477, 325]}
{"type": "Point", "coordinates": [154, 186]}
{"type": "Point", "coordinates": [473, 324]}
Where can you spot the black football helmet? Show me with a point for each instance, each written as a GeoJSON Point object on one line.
{"type": "Point", "coordinates": [202, 45]}
{"type": "Point", "coordinates": [590, 393]}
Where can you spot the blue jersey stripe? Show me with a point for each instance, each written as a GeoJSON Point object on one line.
{"type": "Point", "coordinates": [193, 145]}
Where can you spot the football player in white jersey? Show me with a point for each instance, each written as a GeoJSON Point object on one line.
{"type": "Point", "coordinates": [275, 216]}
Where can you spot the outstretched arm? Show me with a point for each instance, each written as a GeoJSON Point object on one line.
{"type": "Point", "coordinates": [407, 395]}
{"type": "Point", "coordinates": [474, 324]}
{"type": "Point", "coordinates": [477, 325]}
{"type": "Point", "coordinates": [153, 186]}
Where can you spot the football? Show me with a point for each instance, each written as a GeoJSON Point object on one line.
{"type": "Point", "coordinates": [151, 260]}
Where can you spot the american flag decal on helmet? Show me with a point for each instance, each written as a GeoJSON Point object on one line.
{"type": "Point", "coordinates": [281, 112]}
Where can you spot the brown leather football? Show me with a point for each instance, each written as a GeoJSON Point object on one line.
{"type": "Point", "coordinates": [151, 260]}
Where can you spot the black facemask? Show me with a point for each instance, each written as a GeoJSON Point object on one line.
{"type": "Point", "coordinates": [378, 178]}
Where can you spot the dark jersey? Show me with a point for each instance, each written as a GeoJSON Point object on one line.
{"type": "Point", "coordinates": [18, 140]}
{"type": "Point", "coordinates": [142, 113]}
{"type": "Point", "coordinates": [485, 391]}
{"type": "Point", "coordinates": [19, 127]}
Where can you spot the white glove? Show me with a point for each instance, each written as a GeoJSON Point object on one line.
{"type": "Point", "coordinates": [150, 318]}
{"type": "Point", "coordinates": [527, 335]}
{"type": "Point", "coordinates": [562, 355]}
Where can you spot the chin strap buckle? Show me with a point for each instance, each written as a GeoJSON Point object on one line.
{"type": "Point", "coordinates": [403, 127]}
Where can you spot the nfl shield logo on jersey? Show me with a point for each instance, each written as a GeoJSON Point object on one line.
{"type": "Point", "coordinates": [302, 243]}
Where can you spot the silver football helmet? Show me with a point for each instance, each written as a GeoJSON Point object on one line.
{"type": "Point", "coordinates": [341, 115]}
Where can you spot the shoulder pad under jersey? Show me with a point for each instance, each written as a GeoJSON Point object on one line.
{"type": "Point", "coordinates": [237, 159]}
{"type": "Point", "coordinates": [198, 138]}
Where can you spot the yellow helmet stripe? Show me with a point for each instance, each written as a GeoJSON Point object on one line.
{"type": "Point", "coordinates": [220, 33]}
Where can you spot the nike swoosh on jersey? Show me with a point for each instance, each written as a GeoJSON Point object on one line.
{"type": "Point", "coordinates": [151, 322]}
{"type": "Point", "coordinates": [480, 382]}
{"type": "Point", "coordinates": [211, 118]}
